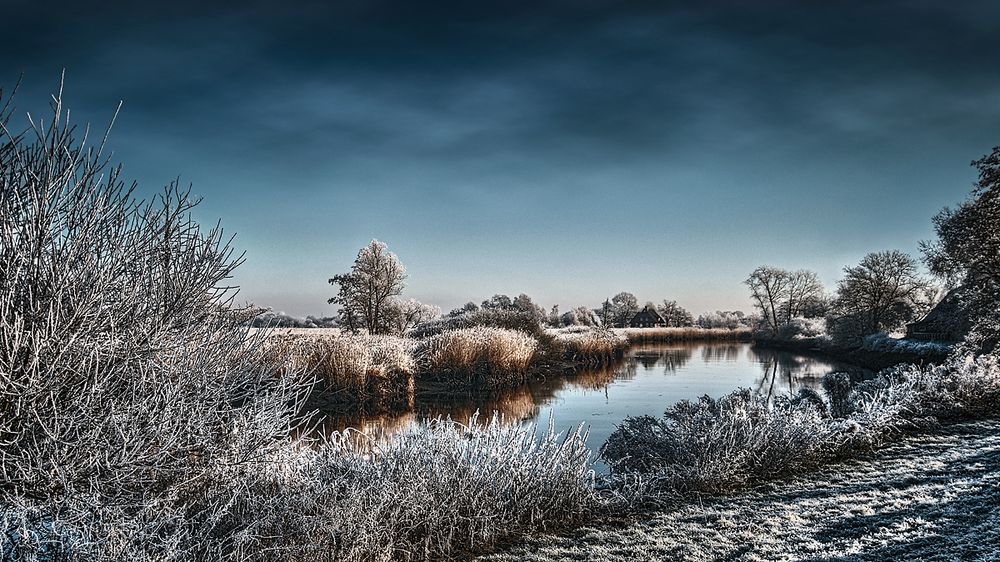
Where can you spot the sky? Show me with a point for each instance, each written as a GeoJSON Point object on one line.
{"type": "Point", "coordinates": [569, 150]}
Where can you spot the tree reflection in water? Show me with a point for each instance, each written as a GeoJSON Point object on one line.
{"type": "Point", "coordinates": [784, 373]}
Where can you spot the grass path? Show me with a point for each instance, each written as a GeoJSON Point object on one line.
{"type": "Point", "coordinates": [931, 497]}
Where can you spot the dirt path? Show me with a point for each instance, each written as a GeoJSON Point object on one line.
{"type": "Point", "coordinates": [931, 497]}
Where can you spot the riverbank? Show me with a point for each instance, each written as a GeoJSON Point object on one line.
{"type": "Point", "coordinates": [934, 496]}
{"type": "Point", "coordinates": [871, 359]}
{"type": "Point", "coordinates": [381, 374]}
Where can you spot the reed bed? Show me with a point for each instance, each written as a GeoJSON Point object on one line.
{"type": "Point", "coordinates": [370, 370]}
{"type": "Point", "coordinates": [591, 346]}
{"type": "Point", "coordinates": [479, 357]}
{"type": "Point", "coordinates": [668, 335]}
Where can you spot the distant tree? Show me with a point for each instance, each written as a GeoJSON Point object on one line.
{"type": "Point", "coordinates": [768, 287]}
{"type": "Point", "coordinates": [967, 252]}
{"type": "Point", "coordinates": [605, 314]}
{"type": "Point", "coordinates": [524, 303]}
{"type": "Point", "coordinates": [554, 315]}
{"type": "Point", "coordinates": [369, 288]}
{"type": "Point", "coordinates": [731, 319]}
{"type": "Point", "coordinates": [402, 315]}
{"type": "Point", "coordinates": [674, 314]}
{"type": "Point", "coordinates": [498, 302]}
{"type": "Point", "coordinates": [580, 316]}
{"type": "Point", "coordinates": [467, 307]}
{"type": "Point", "coordinates": [624, 306]}
{"type": "Point", "coordinates": [782, 295]}
{"type": "Point", "coordinates": [882, 293]}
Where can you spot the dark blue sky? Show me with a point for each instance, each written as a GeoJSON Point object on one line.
{"type": "Point", "coordinates": [569, 150]}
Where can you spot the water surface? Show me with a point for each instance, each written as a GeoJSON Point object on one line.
{"type": "Point", "coordinates": [647, 381]}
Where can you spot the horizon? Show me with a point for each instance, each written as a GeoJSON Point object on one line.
{"type": "Point", "coordinates": [565, 151]}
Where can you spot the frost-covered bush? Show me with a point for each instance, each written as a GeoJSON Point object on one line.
{"type": "Point", "coordinates": [580, 316]}
{"type": "Point", "coordinates": [802, 328]}
{"type": "Point", "coordinates": [477, 357]}
{"type": "Point", "coordinates": [589, 344]}
{"type": "Point", "coordinates": [521, 321]}
{"type": "Point", "coordinates": [720, 444]}
{"type": "Point", "coordinates": [446, 488]}
{"type": "Point", "coordinates": [139, 420]}
{"type": "Point", "coordinates": [884, 343]}
{"type": "Point", "coordinates": [726, 443]}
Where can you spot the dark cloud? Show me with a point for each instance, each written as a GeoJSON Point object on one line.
{"type": "Point", "coordinates": [463, 101]}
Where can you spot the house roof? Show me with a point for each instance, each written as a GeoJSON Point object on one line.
{"type": "Point", "coordinates": [648, 310]}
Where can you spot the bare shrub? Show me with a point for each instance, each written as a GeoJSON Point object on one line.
{"type": "Point", "coordinates": [477, 357]}
{"type": "Point", "coordinates": [447, 488]}
{"type": "Point", "coordinates": [727, 443]}
{"type": "Point", "coordinates": [135, 411]}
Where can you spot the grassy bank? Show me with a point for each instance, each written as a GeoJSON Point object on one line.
{"type": "Point", "coordinates": [876, 352]}
{"type": "Point", "coordinates": [382, 373]}
{"type": "Point", "coordinates": [670, 335]}
{"type": "Point", "coordinates": [932, 496]}
{"type": "Point", "coordinates": [723, 444]}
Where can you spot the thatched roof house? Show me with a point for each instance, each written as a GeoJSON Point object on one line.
{"type": "Point", "coordinates": [946, 322]}
{"type": "Point", "coordinates": [648, 317]}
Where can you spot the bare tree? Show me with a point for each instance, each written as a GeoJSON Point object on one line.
{"type": "Point", "coordinates": [367, 290]}
{"type": "Point", "coordinates": [805, 294]}
{"type": "Point", "coordinates": [674, 314]}
{"type": "Point", "coordinates": [768, 288]}
{"type": "Point", "coordinates": [624, 306]}
{"type": "Point", "coordinates": [135, 410]}
{"type": "Point", "coordinates": [883, 292]}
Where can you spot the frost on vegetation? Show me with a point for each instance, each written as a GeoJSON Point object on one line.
{"type": "Point", "coordinates": [355, 369]}
{"type": "Point", "coordinates": [726, 443]}
{"type": "Point", "coordinates": [481, 356]}
{"type": "Point", "coordinates": [582, 343]}
{"type": "Point", "coordinates": [445, 487]}
{"type": "Point", "coordinates": [142, 419]}
{"type": "Point", "coordinates": [882, 342]}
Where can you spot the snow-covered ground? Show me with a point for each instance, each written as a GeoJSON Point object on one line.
{"type": "Point", "coordinates": [930, 497]}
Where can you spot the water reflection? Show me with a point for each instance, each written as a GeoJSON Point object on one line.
{"type": "Point", "coordinates": [646, 381]}
{"type": "Point", "coordinates": [786, 373]}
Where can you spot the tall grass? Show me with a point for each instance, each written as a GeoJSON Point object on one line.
{"type": "Point", "coordinates": [713, 445]}
{"type": "Point", "coordinates": [668, 335]}
{"type": "Point", "coordinates": [590, 345]}
{"type": "Point", "coordinates": [349, 369]}
{"type": "Point", "coordinates": [477, 357]}
{"type": "Point", "coordinates": [445, 489]}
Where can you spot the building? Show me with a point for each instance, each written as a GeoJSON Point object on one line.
{"type": "Point", "coordinates": [648, 317]}
{"type": "Point", "coordinates": [946, 322]}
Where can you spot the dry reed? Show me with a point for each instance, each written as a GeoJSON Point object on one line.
{"type": "Point", "coordinates": [481, 357]}
{"type": "Point", "coordinates": [368, 370]}
{"type": "Point", "coordinates": [667, 335]}
{"type": "Point", "coordinates": [592, 346]}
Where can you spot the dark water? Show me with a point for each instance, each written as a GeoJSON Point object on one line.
{"type": "Point", "coordinates": [650, 378]}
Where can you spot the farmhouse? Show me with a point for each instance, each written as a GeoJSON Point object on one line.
{"type": "Point", "coordinates": [946, 322]}
{"type": "Point", "coordinates": [648, 317]}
